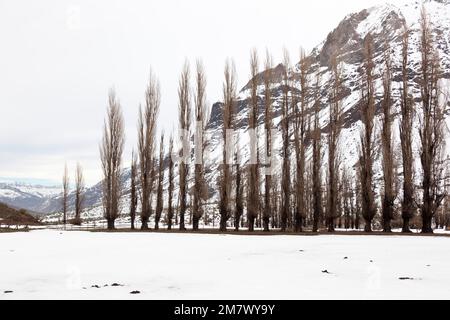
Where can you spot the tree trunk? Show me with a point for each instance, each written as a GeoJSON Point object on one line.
{"type": "Point", "coordinates": [298, 223]}
{"type": "Point", "coordinates": [331, 225]}
{"type": "Point", "coordinates": [132, 224]}
{"type": "Point", "coordinates": [426, 224]}
{"type": "Point", "coordinates": [182, 211]}
{"type": "Point", "coordinates": [315, 225]}
{"type": "Point", "coordinates": [195, 222]}
{"type": "Point", "coordinates": [223, 225]}
{"type": "Point", "coordinates": [144, 225]}
{"type": "Point", "coordinates": [111, 225]}
{"type": "Point", "coordinates": [266, 223]}
{"type": "Point", "coordinates": [368, 226]}
{"type": "Point", "coordinates": [283, 220]}
{"type": "Point", "coordinates": [406, 228]}
{"type": "Point", "coordinates": [387, 226]}
{"type": "Point", "coordinates": [236, 223]}
{"type": "Point", "coordinates": [251, 223]}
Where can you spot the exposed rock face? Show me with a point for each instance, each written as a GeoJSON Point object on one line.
{"type": "Point", "coordinates": [344, 39]}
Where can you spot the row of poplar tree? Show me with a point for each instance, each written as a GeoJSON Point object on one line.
{"type": "Point", "coordinates": [299, 198]}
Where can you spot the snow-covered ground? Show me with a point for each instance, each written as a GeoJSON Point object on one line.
{"type": "Point", "coordinates": [51, 264]}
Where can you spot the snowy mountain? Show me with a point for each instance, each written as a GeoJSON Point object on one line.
{"type": "Point", "coordinates": [384, 22]}
{"type": "Point", "coordinates": [26, 196]}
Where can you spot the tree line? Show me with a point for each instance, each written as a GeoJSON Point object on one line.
{"type": "Point", "coordinates": [313, 193]}
{"type": "Point", "coordinates": [78, 202]}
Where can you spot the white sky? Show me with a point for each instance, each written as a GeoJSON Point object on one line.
{"type": "Point", "coordinates": [59, 58]}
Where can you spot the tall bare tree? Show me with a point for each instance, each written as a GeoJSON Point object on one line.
{"type": "Point", "coordinates": [133, 190]}
{"type": "Point", "coordinates": [366, 158]}
{"type": "Point", "coordinates": [316, 160]}
{"type": "Point", "coordinates": [201, 117]}
{"type": "Point", "coordinates": [268, 126]}
{"type": "Point", "coordinates": [335, 127]}
{"type": "Point", "coordinates": [389, 193]}
{"type": "Point", "coordinates": [65, 194]}
{"type": "Point", "coordinates": [111, 149]}
{"type": "Point", "coordinates": [358, 200]}
{"type": "Point", "coordinates": [275, 204]}
{"type": "Point", "coordinates": [446, 205]}
{"type": "Point", "coordinates": [253, 168]}
{"type": "Point", "coordinates": [159, 196]}
{"type": "Point", "coordinates": [346, 198]}
{"type": "Point", "coordinates": [308, 192]}
{"type": "Point", "coordinates": [431, 126]}
{"type": "Point", "coordinates": [285, 126]}
{"type": "Point", "coordinates": [353, 202]}
{"type": "Point", "coordinates": [229, 100]}
{"type": "Point", "coordinates": [171, 187]}
{"type": "Point", "coordinates": [406, 126]}
{"type": "Point", "coordinates": [79, 194]}
{"type": "Point", "coordinates": [184, 107]}
{"type": "Point", "coordinates": [146, 146]}
{"type": "Point", "coordinates": [300, 143]}
{"type": "Point", "coordinates": [239, 192]}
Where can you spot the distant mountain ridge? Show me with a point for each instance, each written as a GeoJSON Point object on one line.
{"type": "Point", "coordinates": [26, 196]}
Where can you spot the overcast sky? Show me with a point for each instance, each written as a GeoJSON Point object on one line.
{"type": "Point", "coordinates": [59, 58]}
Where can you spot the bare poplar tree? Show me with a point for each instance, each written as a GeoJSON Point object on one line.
{"type": "Point", "coordinates": [286, 168]}
{"type": "Point", "coordinates": [346, 198]}
{"type": "Point", "coordinates": [171, 186]}
{"type": "Point", "coordinates": [159, 196]}
{"type": "Point", "coordinates": [431, 128]}
{"type": "Point", "coordinates": [446, 205]}
{"type": "Point", "coordinates": [229, 100]}
{"type": "Point", "coordinates": [146, 146]}
{"type": "Point", "coordinates": [353, 203]}
{"type": "Point", "coordinates": [133, 190]}
{"type": "Point", "coordinates": [239, 192]}
{"type": "Point", "coordinates": [389, 193]}
{"type": "Point", "coordinates": [358, 201]}
{"type": "Point", "coordinates": [111, 149]}
{"type": "Point", "coordinates": [335, 127]}
{"type": "Point", "coordinates": [406, 125]}
{"type": "Point", "coordinates": [275, 204]}
{"type": "Point", "coordinates": [316, 160]}
{"type": "Point", "coordinates": [367, 136]}
{"type": "Point", "coordinates": [253, 168]}
{"type": "Point", "coordinates": [184, 107]}
{"type": "Point", "coordinates": [201, 117]}
{"type": "Point", "coordinates": [308, 193]}
{"type": "Point", "coordinates": [268, 126]}
{"type": "Point", "coordinates": [79, 194]}
{"type": "Point", "coordinates": [65, 194]}
{"type": "Point", "coordinates": [300, 144]}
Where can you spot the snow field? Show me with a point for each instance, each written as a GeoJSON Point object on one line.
{"type": "Point", "coordinates": [52, 264]}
